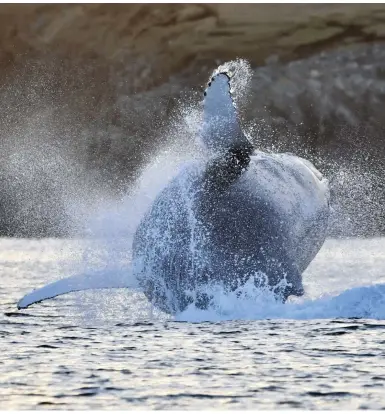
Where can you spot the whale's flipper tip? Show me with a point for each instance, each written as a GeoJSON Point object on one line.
{"type": "Point", "coordinates": [36, 296]}
{"type": "Point", "coordinates": [78, 283]}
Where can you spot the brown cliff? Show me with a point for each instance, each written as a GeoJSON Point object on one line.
{"type": "Point", "coordinates": [172, 36]}
{"type": "Point", "coordinates": [91, 87]}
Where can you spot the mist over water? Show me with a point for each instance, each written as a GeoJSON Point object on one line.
{"type": "Point", "coordinates": [64, 154]}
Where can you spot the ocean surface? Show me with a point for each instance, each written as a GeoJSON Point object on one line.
{"type": "Point", "coordinates": [109, 350]}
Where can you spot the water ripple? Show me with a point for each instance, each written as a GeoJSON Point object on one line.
{"type": "Point", "coordinates": [89, 352]}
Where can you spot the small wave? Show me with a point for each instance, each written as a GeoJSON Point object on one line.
{"type": "Point", "coordinates": [365, 302]}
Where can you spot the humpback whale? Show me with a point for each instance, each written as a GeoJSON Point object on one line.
{"type": "Point", "coordinates": [237, 214]}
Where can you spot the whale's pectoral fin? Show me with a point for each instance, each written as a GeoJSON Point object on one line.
{"type": "Point", "coordinates": [222, 135]}
{"type": "Point", "coordinates": [222, 131]}
{"type": "Point", "coordinates": [100, 280]}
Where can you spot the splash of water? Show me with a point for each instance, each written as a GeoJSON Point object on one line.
{"type": "Point", "coordinates": [113, 226]}
{"type": "Point", "coordinates": [366, 302]}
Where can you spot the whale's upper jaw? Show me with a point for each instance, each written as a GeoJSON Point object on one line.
{"type": "Point", "coordinates": [221, 126]}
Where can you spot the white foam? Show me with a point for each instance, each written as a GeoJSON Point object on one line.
{"type": "Point", "coordinates": [346, 280]}
{"type": "Point", "coordinates": [366, 302]}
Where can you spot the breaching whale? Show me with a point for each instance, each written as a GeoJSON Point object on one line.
{"type": "Point", "coordinates": [236, 215]}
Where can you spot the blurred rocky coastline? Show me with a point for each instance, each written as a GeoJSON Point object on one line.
{"type": "Point", "coordinates": [87, 93]}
